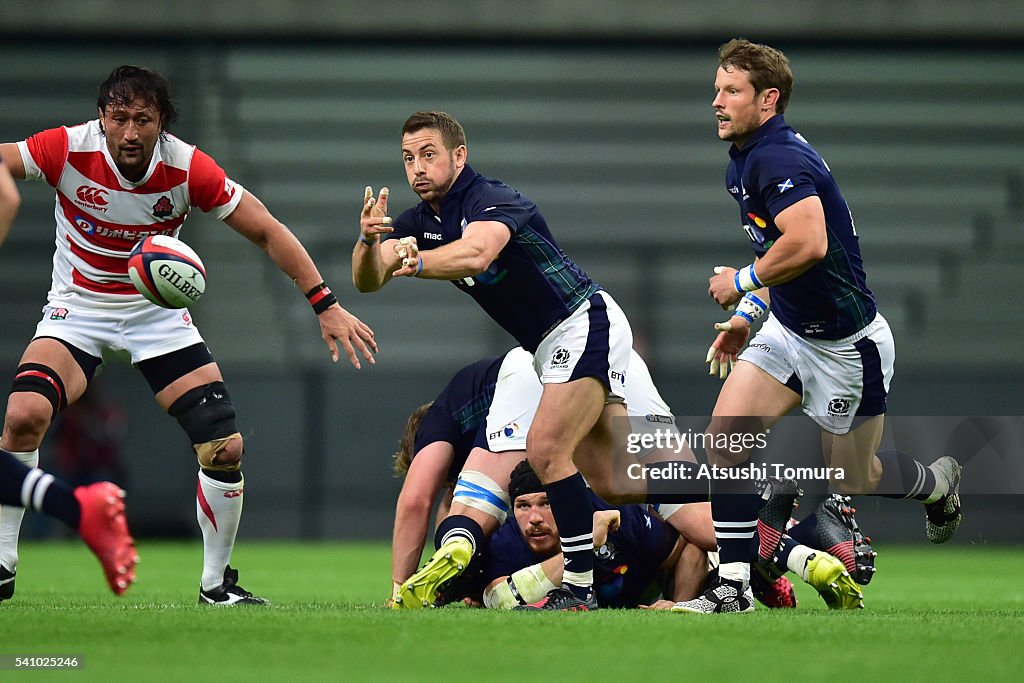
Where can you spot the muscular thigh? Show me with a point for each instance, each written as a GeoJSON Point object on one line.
{"type": "Point", "coordinates": [751, 401]}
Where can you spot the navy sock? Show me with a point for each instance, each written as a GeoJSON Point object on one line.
{"type": "Point", "coordinates": [42, 491]}
{"type": "Point", "coordinates": [782, 557]}
{"type": "Point", "coordinates": [681, 484]}
{"type": "Point", "coordinates": [805, 532]}
{"type": "Point", "coordinates": [734, 506]}
{"type": "Point", "coordinates": [574, 515]}
{"type": "Point", "coordinates": [459, 526]}
{"type": "Point", "coordinates": [904, 477]}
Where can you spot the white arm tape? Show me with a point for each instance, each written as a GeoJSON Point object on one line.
{"type": "Point", "coordinates": [746, 279]}
{"type": "Point", "coordinates": [751, 307]}
{"type": "Point", "coordinates": [523, 587]}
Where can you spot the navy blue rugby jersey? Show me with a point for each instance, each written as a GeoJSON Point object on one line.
{"type": "Point", "coordinates": [624, 567]}
{"type": "Point", "coordinates": [532, 285]}
{"type": "Point", "coordinates": [774, 170]}
{"type": "Point", "coordinates": [460, 411]}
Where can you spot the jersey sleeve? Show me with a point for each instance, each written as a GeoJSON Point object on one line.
{"type": "Point", "coordinates": [507, 553]}
{"type": "Point", "coordinates": [499, 203]}
{"type": "Point", "coordinates": [44, 155]}
{"type": "Point", "coordinates": [210, 189]}
{"type": "Point", "coordinates": [782, 178]}
{"type": "Point", "coordinates": [437, 425]}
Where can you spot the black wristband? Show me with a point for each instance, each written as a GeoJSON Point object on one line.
{"type": "Point", "coordinates": [321, 298]}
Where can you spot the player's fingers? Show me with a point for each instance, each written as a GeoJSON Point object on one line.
{"type": "Point", "coordinates": [382, 200]}
{"type": "Point", "coordinates": [711, 354]}
{"type": "Point", "coordinates": [713, 370]}
{"type": "Point", "coordinates": [351, 353]}
{"type": "Point", "coordinates": [332, 347]}
{"type": "Point", "coordinates": [723, 369]}
{"type": "Point", "coordinates": [724, 327]}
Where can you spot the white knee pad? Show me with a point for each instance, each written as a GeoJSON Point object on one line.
{"type": "Point", "coordinates": [479, 491]}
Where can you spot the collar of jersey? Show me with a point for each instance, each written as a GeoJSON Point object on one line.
{"type": "Point", "coordinates": [770, 126]}
{"type": "Point", "coordinates": [461, 183]}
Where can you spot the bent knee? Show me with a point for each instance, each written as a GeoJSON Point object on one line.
{"type": "Point", "coordinates": [27, 419]}
{"type": "Point", "coordinates": [224, 454]}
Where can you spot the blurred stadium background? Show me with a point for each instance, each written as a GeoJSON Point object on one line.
{"type": "Point", "coordinates": [599, 111]}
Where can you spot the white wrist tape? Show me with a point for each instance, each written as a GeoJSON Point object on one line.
{"type": "Point", "coordinates": [750, 307]}
{"type": "Point", "coordinates": [523, 587]}
{"type": "Point", "coordinates": [746, 279]}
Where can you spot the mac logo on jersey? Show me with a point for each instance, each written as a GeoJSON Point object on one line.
{"type": "Point", "coordinates": [163, 207]}
{"type": "Point", "coordinates": [93, 197]}
{"type": "Point", "coordinates": [85, 225]}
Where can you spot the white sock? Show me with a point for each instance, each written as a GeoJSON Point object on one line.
{"type": "Point", "coordinates": [735, 571]}
{"type": "Point", "coordinates": [797, 561]}
{"type": "Point", "coordinates": [218, 509]}
{"type": "Point", "coordinates": [10, 519]}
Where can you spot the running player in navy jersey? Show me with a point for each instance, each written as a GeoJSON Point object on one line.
{"type": "Point", "coordinates": [824, 346]}
{"type": "Point", "coordinates": [494, 244]}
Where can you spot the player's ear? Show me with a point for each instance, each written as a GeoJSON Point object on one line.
{"type": "Point", "coordinates": [461, 153]}
{"type": "Point", "coordinates": [770, 98]}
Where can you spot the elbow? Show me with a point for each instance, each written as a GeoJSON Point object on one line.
{"type": "Point", "coordinates": [815, 252]}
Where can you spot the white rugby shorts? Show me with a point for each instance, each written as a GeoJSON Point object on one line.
{"type": "Point", "coordinates": [517, 395]}
{"type": "Point", "coordinates": [142, 331]}
{"type": "Point", "coordinates": [838, 381]}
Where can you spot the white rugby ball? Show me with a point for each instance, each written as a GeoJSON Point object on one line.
{"type": "Point", "coordinates": [167, 271]}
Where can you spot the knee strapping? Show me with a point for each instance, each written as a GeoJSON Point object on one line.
{"type": "Point", "coordinates": [477, 490]}
{"type": "Point", "coordinates": [208, 417]}
{"type": "Point", "coordinates": [41, 379]}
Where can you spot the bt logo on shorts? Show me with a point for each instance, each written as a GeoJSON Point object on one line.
{"type": "Point", "coordinates": [560, 358]}
{"type": "Point", "coordinates": [617, 376]}
{"type": "Point", "coordinates": [839, 407]}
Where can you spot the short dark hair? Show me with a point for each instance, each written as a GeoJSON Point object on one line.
{"type": "Point", "coordinates": [127, 83]}
{"type": "Point", "coordinates": [766, 66]}
{"type": "Point", "coordinates": [407, 445]}
{"type": "Point", "coordinates": [452, 133]}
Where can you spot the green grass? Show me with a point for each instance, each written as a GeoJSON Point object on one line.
{"type": "Point", "coordinates": [933, 614]}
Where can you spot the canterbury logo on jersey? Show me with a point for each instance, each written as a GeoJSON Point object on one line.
{"type": "Point", "coordinates": [92, 196]}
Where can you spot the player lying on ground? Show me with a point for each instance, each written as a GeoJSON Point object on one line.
{"type": "Point", "coordinates": [473, 434]}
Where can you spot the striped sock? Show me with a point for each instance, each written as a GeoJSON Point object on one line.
{"type": "Point", "coordinates": [905, 477]}
{"type": "Point", "coordinates": [574, 515]}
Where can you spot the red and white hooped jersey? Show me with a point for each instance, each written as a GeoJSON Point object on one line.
{"type": "Point", "coordinates": [101, 215]}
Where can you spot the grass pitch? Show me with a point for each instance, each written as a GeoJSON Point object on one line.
{"type": "Point", "coordinates": [933, 614]}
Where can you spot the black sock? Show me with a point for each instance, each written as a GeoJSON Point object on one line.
{"type": "Point", "coordinates": [42, 491]}
{"type": "Point", "coordinates": [805, 532]}
{"type": "Point", "coordinates": [574, 515]}
{"type": "Point", "coordinates": [678, 485]}
{"type": "Point", "coordinates": [459, 526]}
{"type": "Point", "coordinates": [904, 477]}
{"type": "Point", "coordinates": [734, 506]}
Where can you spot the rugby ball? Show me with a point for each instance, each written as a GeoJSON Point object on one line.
{"type": "Point", "coordinates": [167, 271]}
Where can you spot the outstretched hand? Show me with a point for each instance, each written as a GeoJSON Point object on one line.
{"type": "Point", "coordinates": [337, 324]}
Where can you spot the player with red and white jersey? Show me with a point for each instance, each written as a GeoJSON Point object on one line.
{"type": "Point", "coordinates": [118, 179]}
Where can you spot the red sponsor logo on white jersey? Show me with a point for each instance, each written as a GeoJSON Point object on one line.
{"type": "Point", "coordinates": [233, 494]}
{"type": "Point", "coordinates": [93, 197]}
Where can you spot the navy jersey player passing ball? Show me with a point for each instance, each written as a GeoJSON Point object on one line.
{"type": "Point", "coordinates": [494, 244]}
{"type": "Point", "coordinates": [823, 347]}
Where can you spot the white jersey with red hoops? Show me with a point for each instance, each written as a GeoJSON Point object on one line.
{"type": "Point", "coordinates": [101, 215]}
